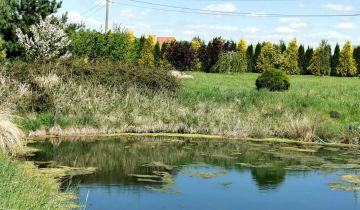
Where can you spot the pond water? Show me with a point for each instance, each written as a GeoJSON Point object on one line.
{"type": "Point", "coordinates": [164, 173]}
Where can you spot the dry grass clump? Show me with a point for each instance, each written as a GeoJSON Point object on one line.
{"type": "Point", "coordinates": [11, 137]}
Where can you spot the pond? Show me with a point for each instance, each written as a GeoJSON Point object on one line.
{"type": "Point", "coordinates": [177, 173]}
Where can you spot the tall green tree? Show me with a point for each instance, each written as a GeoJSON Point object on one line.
{"type": "Point", "coordinates": [282, 46]}
{"type": "Point", "coordinates": [347, 64]}
{"type": "Point", "coordinates": [335, 60]}
{"type": "Point", "coordinates": [356, 55]}
{"type": "Point", "coordinates": [22, 14]}
{"type": "Point", "coordinates": [301, 59]}
{"type": "Point", "coordinates": [242, 46]}
{"type": "Point", "coordinates": [164, 48]}
{"type": "Point", "coordinates": [146, 56]}
{"type": "Point", "coordinates": [213, 52]}
{"type": "Point", "coordinates": [250, 58]}
{"type": "Point", "coordinates": [290, 62]}
{"type": "Point", "coordinates": [269, 58]}
{"type": "Point", "coordinates": [320, 63]}
{"type": "Point", "coordinates": [157, 54]}
{"type": "Point", "coordinates": [308, 56]}
{"type": "Point", "coordinates": [256, 56]}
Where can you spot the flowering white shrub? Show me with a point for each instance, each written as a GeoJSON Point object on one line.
{"type": "Point", "coordinates": [48, 40]}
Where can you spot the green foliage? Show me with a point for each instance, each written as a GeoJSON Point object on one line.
{"type": "Point", "coordinates": [320, 63]}
{"type": "Point", "coordinates": [213, 52]}
{"type": "Point", "coordinates": [256, 56]}
{"type": "Point", "coordinates": [2, 51]}
{"type": "Point", "coordinates": [95, 45]}
{"type": "Point", "coordinates": [290, 62]}
{"type": "Point", "coordinates": [242, 46]}
{"type": "Point", "coordinates": [347, 63]}
{"type": "Point", "coordinates": [273, 80]}
{"type": "Point", "coordinates": [301, 59]}
{"type": "Point", "coordinates": [146, 54]}
{"type": "Point", "coordinates": [22, 14]}
{"type": "Point", "coordinates": [157, 54]}
{"type": "Point", "coordinates": [181, 55]}
{"type": "Point", "coordinates": [231, 62]}
{"type": "Point", "coordinates": [269, 58]}
{"type": "Point", "coordinates": [335, 60]}
{"type": "Point", "coordinates": [250, 58]}
{"type": "Point", "coordinates": [357, 58]}
{"type": "Point", "coordinates": [196, 46]}
{"type": "Point", "coordinates": [308, 56]}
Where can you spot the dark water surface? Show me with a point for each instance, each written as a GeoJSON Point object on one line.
{"type": "Point", "coordinates": [163, 173]}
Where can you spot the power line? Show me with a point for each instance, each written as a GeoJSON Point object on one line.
{"type": "Point", "coordinates": [94, 8]}
{"type": "Point", "coordinates": [224, 13]}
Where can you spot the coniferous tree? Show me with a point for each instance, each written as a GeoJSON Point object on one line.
{"type": "Point", "coordinates": [157, 54]}
{"type": "Point", "coordinates": [250, 58]}
{"type": "Point", "coordinates": [22, 14]}
{"type": "Point", "coordinates": [356, 56]}
{"type": "Point", "coordinates": [347, 64]}
{"type": "Point", "coordinates": [242, 46]}
{"type": "Point", "coordinates": [164, 48]}
{"type": "Point", "coordinates": [256, 56]}
{"type": "Point", "coordinates": [269, 58]}
{"type": "Point", "coordinates": [213, 51]}
{"type": "Point", "coordinates": [290, 62]}
{"type": "Point", "coordinates": [229, 46]}
{"type": "Point", "coordinates": [282, 46]}
{"type": "Point", "coordinates": [335, 60]}
{"type": "Point", "coordinates": [320, 63]}
{"type": "Point", "coordinates": [308, 56]}
{"type": "Point", "coordinates": [146, 56]}
{"type": "Point", "coordinates": [301, 59]}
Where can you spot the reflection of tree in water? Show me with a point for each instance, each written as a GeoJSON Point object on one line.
{"type": "Point", "coordinates": [268, 178]}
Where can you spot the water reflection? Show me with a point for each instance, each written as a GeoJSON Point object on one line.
{"type": "Point", "coordinates": [251, 167]}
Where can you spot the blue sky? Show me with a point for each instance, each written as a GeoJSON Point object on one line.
{"type": "Point", "coordinates": [145, 19]}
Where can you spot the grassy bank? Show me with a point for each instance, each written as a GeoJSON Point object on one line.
{"type": "Point", "coordinates": [21, 187]}
{"type": "Point", "coordinates": [220, 104]}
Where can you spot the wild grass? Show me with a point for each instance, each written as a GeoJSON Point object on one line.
{"type": "Point", "coordinates": [11, 137]}
{"type": "Point", "coordinates": [20, 181]}
{"type": "Point", "coordinates": [222, 104]}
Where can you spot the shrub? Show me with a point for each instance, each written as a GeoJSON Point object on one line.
{"type": "Point", "coordinates": [181, 55]}
{"type": "Point", "coordinates": [102, 72]}
{"type": "Point", "coordinates": [274, 80]}
{"type": "Point", "coordinates": [231, 62]}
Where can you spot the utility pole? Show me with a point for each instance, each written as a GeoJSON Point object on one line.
{"type": "Point", "coordinates": [107, 16]}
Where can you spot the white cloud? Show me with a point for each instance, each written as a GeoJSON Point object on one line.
{"type": "Point", "coordinates": [134, 14]}
{"type": "Point", "coordinates": [345, 25]}
{"type": "Point", "coordinates": [75, 17]}
{"type": "Point", "coordinates": [250, 30]}
{"type": "Point", "coordinates": [293, 22]}
{"type": "Point", "coordinates": [228, 7]}
{"type": "Point", "coordinates": [284, 30]}
{"type": "Point", "coordinates": [212, 27]}
{"type": "Point", "coordinates": [339, 7]}
{"type": "Point", "coordinates": [328, 35]}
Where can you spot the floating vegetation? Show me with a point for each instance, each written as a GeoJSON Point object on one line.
{"type": "Point", "coordinates": [64, 171]}
{"type": "Point", "coordinates": [344, 187]}
{"type": "Point", "coordinates": [298, 168]}
{"type": "Point", "coordinates": [164, 178]}
{"type": "Point", "coordinates": [203, 175]}
{"type": "Point", "coordinates": [351, 178]}
{"type": "Point", "coordinates": [340, 166]}
{"type": "Point", "coordinates": [249, 165]}
{"type": "Point", "coordinates": [158, 166]}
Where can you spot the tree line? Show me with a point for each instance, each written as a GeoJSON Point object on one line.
{"type": "Point", "coordinates": [217, 55]}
